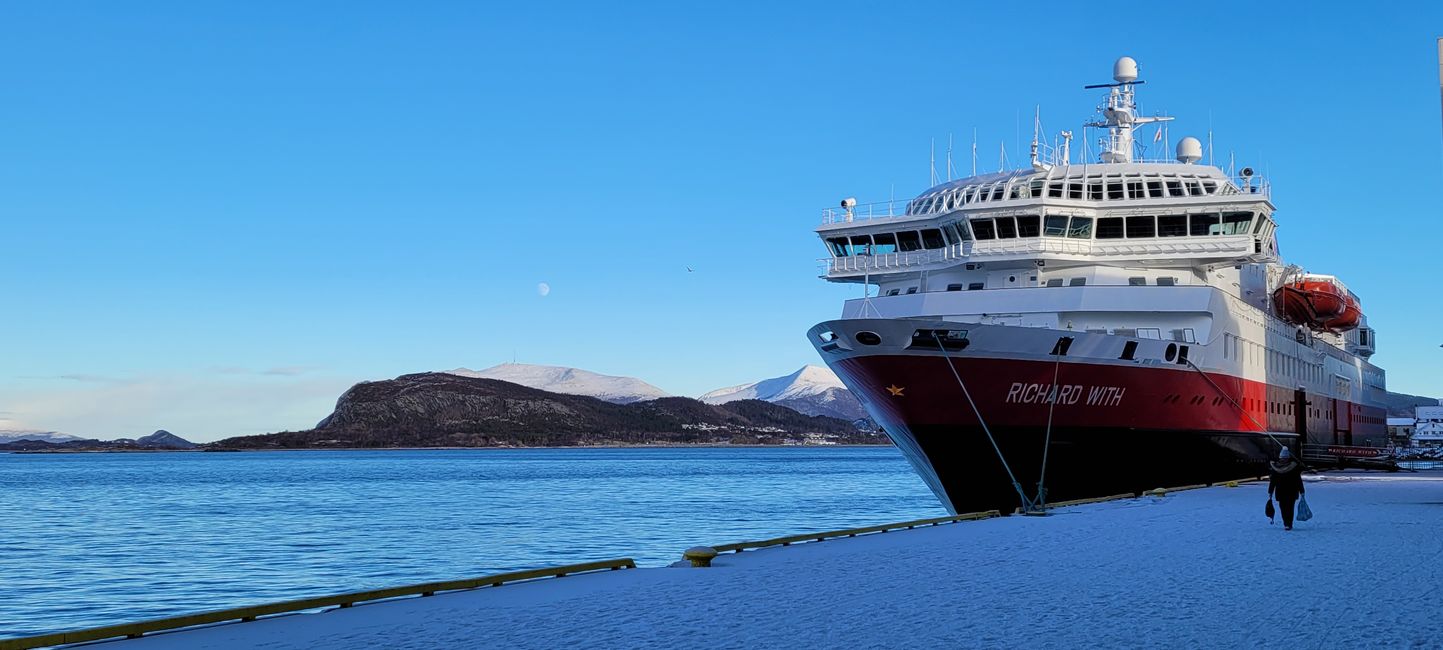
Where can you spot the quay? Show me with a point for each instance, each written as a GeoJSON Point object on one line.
{"type": "Point", "coordinates": [1200, 567]}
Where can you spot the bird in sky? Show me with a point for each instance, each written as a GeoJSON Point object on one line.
{"type": "Point", "coordinates": [690, 270]}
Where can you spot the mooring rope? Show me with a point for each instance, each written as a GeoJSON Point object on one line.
{"type": "Point", "coordinates": [1026, 505]}
{"type": "Point", "coordinates": [1235, 404]}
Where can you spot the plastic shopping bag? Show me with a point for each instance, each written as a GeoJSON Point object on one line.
{"type": "Point", "coordinates": [1304, 512]}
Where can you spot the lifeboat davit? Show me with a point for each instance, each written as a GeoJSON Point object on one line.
{"type": "Point", "coordinates": [1318, 302]}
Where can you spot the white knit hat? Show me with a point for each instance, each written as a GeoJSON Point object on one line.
{"type": "Point", "coordinates": [1285, 453]}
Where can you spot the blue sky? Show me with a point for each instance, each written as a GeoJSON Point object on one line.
{"type": "Point", "coordinates": [217, 216]}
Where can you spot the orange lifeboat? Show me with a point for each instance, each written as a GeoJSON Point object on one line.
{"type": "Point", "coordinates": [1318, 302]}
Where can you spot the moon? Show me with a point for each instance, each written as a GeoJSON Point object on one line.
{"type": "Point", "coordinates": [543, 289]}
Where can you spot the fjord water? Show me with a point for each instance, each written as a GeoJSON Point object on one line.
{"type": "Point", "coordinates": [93, 539]}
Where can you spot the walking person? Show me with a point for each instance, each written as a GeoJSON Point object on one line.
{"type": "Point", "coordinates": [1286, 484]}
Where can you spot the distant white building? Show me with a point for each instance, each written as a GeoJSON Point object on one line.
{"type": "Point", "coordinates": [1400, 431]}
{"type": "Point", "coordinates": [1428, 430]}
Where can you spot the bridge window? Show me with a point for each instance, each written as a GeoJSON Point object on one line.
{"type": "Point", "coordinates": [1141, 227]}
{"type": "Point", "coordinates": [861, 244]}
{"type": "Point", "coordinates": [908, 241]}
{"type": "Point", "coordinates": [1054, 282]}
{"type": "Point", "coordinates": [954, 287]}
{"type": "Point", "coordinates": [1109, 228]}
{"type": "Point", "coordinates": [1074, 189]}
{"type": "Point", "coordinates": [1172, 225]}
{"type": "Point", "coordinates": [1236, 223]}
{"type": "Point", "coordinates": [974, 286]}
{"type": "Point", "coordinates": [983, 229]}
{"type": "Point", "coordinates": [1080, 228]}
{"type": "Point", "coordinates": [1054, 189]}
{"type": "Point", "coordinates": [1056, 226]}
{"type": "Point", "coordinates": [1027, 225]}
{"type": "Point", "coordinates": [996, 192]}
{"type": "Point", "coordinates": [1134, 190]}
{"type": "Point", "coordinates": [838, 246]}
{"type": "Point", "coordinates": [1174, 188]}
{"type": "Point", "coordinates": [1204, 224]}
{"type": "Point", "coordinates": [1114, 193]}
{"type": "Point", "coordinates": [1094, 191]}
{"type": "Point", "coordinates": [1209, 187]}
{"type": "Point", "coordinates": [932, 239]}
{"type": "Point", "coordinates": [1154, 189]}
{"type": "Point", "coordinates": [884, 243]}
{"type": "Point", "coordinates": [956, 232]}
{"type": "Point", "coordinates": [1006, 228]}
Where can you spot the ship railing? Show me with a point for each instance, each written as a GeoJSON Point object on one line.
{"type": "Point", "coordinates": [866, 211]}
{"type": "Point", "coordinates": [892, 261]}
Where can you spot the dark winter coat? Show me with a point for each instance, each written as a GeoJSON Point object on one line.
{"type": "Point", "coordinates": [1286, 481]}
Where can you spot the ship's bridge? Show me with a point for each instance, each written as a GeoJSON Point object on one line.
{"type": "Point", "coordinates": [1120, 214]}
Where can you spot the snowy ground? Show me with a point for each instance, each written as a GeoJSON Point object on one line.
{"type": "Point", "coordinates": [1194, 569]}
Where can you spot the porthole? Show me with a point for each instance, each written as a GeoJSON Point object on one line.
{"type": "Point", "coordinates": [1171, 352]}
{"type": "Point", "coordinates": [871, 338]}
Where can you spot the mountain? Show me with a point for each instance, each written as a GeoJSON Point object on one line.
{"type": "Point", "coordinates": [438, 409]}
{"type": "Point", "coordinates": [1400, 405]}
{"type": "Point", "coordinates": [163, 439]}
{"type": "Point", "coordinates": [813, 390]}
{"type": "Point", "coordinates": [569, 381]}
{"type": "Point", "coordinates": [160, 440]}
{"type": "Point", "coordinates": [15, 435]}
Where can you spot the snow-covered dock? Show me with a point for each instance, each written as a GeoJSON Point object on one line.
{"type": "Point", "coordinates": [1196, 568]}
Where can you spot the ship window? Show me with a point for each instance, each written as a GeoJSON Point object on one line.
{"type": "Point", "coordinates": [1141, 227]}
{"type": "Point", "coordinates": [893, 292]}
{"type": "Point", "coordinates": [1209, 187]}
{"type": "Point", "coordinates": [1109, 228]}
{"type": "Point", "coordinates": [1154, 190]}
{"type": "Point", "coordinates": [996, 193]}
{"type": "Point", "coordinates": [1054, 190]}
{"type": "Point", "coordinates": [1172, 225]}
{"type": "Point", "coordinates": [958, 230]}
{"type": "Point", "coordinates": [884, 243]}
{"type": "Point", "coordinates": [1094, 191]}
{"type": "Point", "coordinates": [908, 241]}
{"type": "Point", "coordinates": [838, 245]}
{"type": "Point", "coordinates": [1035, 188]}
{"type": "Point", "coordinates": [974, 286]}
{"type": "Point", "coordinates": [1134, 190]}
{"type": "Point", "coordinates": [861, 244]}
{"type": "Point", "coordinates": [1027, 225]}
{"type": "Point", "coordinates": [1174, 187]}
{"type": "Point", "coordinates": [1054, 282]}
{"type": "Point", "coordinates": [1016, 191]}
{"type": "Point", "coordinates": [1236, 223]}
{"type": "Point", "coordinates": [911, 290]}
{"type": "Point", "coordinates": [1074, 190]}
{"type": "Point", "coordinates": [1204, 224]}
{"type": "Point", "coordinates": [954, 287]}
{"type": "Point", "coordinates": [1137, 281]}
{"type": "Point", "coordinates": [1076, 282]}
{"type": "Point", "coordinates": [1006, 228]}
{"type": "Point", "coordinates": [1114, 191]}
{"type": "Point", "coordinates": [1194, 187]}
{"type": "Point", "coordinates": [1080, 228]}
{"type": "Point", "coordinates": [1056, 226]}
{"type": "Point", "coordinates": [1129, 351]}
{"type": "Point", "coordinates": [1166, 281]}
{"type": "Point", "coordinates": [932, 239]}
{"type": "Point", "coordinates": [983, 229]}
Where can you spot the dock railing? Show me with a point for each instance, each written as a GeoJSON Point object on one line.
{"type": "Point", "coordinates": [251, 613]}
{"type": "Point", "coordinates": [853, 532]}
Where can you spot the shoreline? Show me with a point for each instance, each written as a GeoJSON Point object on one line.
{"type": "Point", "coordinates": [515, 448]}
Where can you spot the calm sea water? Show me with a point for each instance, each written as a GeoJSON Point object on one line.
{"type": "Point", "coordinates": [91, 539]}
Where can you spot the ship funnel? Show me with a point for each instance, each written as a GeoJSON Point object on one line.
{"type": "Point", "coordinates": [1125, 70]}
{"type": "Point", "coordinates": [1189, 150]}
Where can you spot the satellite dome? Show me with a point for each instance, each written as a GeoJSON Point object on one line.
{"type": "Point", "coordinates": [1189, 150]}
{"type": "Point", "coordinates": [1125, 70]}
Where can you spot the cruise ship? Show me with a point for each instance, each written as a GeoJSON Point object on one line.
{"type": "Point", "coordinates": [1078, 329]}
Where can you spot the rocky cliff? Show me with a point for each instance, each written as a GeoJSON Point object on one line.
{"type": "Point", "coordinates": [449, 410]}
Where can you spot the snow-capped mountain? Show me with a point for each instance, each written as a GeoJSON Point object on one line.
{"type": "Point", "coordinates": [812, 390]}
{"type": "Point", "coordinates": [571, 381]}
{"type": "Point", "coordinates": [12, 435]}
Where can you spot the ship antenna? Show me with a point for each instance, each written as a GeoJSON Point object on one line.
{"type": "Point", "coordinates": [932, 161]}
{"type": "Point", "coordinates": [949, 157]}
{"type": "Point", "coordinates": [974, 131]}
{"type": "Point", "coordinates": [1119, 113]}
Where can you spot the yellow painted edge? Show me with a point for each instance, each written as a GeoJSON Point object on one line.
{"type": "Point", "coordinates": [255, 611]}
{"type": "Point", "coordinates": [853, 532]}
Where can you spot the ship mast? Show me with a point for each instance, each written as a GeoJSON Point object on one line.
{"type": "Point", "coordinates": [1119, 114]}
